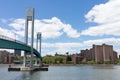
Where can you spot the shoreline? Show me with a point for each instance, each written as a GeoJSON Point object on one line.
{"type": "Point", "coordinates": [78, 64]}
{"type": "Point", "coordinates": [59, 64]}
{"type": "Point", "coordinates": [4, 64]}
{"type": "Point", "coordinates": [10, 64]}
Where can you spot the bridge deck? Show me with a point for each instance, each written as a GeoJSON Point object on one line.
{"type": "Point", "coordinates": [13, 44]}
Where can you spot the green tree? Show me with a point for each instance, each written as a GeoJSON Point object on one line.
{"type": "Point", "coordinates": [107, 62]}
{"type": "Point", "coordinates": [54, 59]}
{"type": "Point", "coordinates": [91, 62]}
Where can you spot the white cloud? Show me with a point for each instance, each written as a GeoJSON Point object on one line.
{"type": "Point", "coordinates": [9, 50]}
{"type": "Point", "coordinates": [105, 13]}
{"type": "Point", "coordinates": [61, 48]}
{"type": "Point", "coordinates": [18, 24]}
{"type": "Point", "coordinates": [110, 41]}
{"type": "Point", "coordinates": [62, 45]}
{"type": "Point", "coordinates": [50, 28]}
{"type": "Point", "coordinates": [103, 29]}
{"type": "Point", "coordinates": [74, 47]}
{"type": "Point", "coordinates": [6, 32]}
{"type": "Point", "coordinates": [70, 31]}
{"type": "Point", "coordinates": [107, 17]}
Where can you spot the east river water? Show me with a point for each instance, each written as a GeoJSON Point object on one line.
{"type": "Point", "coordinates": [80, 72]}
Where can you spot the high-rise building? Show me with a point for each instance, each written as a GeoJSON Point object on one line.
{"type": "Point", "coordinates": [76, 58]}
{"type": "Point", "coordinates": [100, 54]}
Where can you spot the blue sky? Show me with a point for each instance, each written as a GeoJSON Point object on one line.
{"type": "Point", "coordinates": [66, 25]}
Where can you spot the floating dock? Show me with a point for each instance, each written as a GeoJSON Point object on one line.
{"type": "Point", "coordinates": [13, 69]}
{"type": "Point", "coordinates": [28, 69]}
{"type": "Point", "coordinates": [35, 68]}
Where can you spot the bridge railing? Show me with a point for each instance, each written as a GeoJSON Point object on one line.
{"type": "Point", "coordinates": [11, 39]}
{"type": "Point", "coordinates": [14, 40]}
{"type": "Point", "coordinates": [6, 38]}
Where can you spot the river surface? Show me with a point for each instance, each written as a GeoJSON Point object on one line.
{"type": "Point", "coordinates": [81, 72]}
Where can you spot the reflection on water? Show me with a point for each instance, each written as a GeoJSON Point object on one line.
{"type": "Point", "coordinates": [103, 66]}
{"type": "Point", "coordinates": [81, 72]}
{"type": "Point", "coordinates": [25, 76]}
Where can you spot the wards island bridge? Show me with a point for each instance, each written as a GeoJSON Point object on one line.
{"type": "Point", "coordinates": [9, 43]}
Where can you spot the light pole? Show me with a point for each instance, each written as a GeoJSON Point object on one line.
{"type": "Point", "coordinates": [15, 36]}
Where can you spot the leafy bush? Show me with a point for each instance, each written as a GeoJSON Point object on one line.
{"type": "Point", "coordinates": [91, 62]}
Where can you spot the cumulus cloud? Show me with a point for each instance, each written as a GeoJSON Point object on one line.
{"type": "Point", "coordinates": [70, 31]}
{"type": "Point", "coordinates": [60, 45]}
{"type": "Point", "coordinates": [61, 48]}
{"type": "Point", "coordinates": [103, 29]}
{"type": "Point", "coordinates": [107, 17]}
{"type": "Point", "coordinates": [6, 32]}
{"type": "Point", "coordinates": [18, 24]}
{"type": "Point", "coordinates": [74, 47]}
{"type": "Point", "coordinates": [111, 41]}
{"type": "Point", "coordinates": [50, 28]}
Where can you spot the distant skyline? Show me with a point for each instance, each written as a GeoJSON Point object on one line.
{"type": "Point", "coordinates": [66, 25]}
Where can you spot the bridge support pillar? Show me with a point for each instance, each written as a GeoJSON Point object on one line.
{"type": "Point", "coordinates": [24, 59]}
{"type": "Point", "coordinates": [29, 17]}
{"type": "Point", "coordinates": [39, 39]}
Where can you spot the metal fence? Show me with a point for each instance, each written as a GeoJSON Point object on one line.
{"type": "Point", "coordinates": [10, 39]}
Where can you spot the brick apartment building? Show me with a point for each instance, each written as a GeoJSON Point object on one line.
{"type": "Point", "coordinates": [76, 58]}
{"type": "Point", "coordinates": [6, 57]}
{"type": "Point", "coordinates": [98, 53]}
